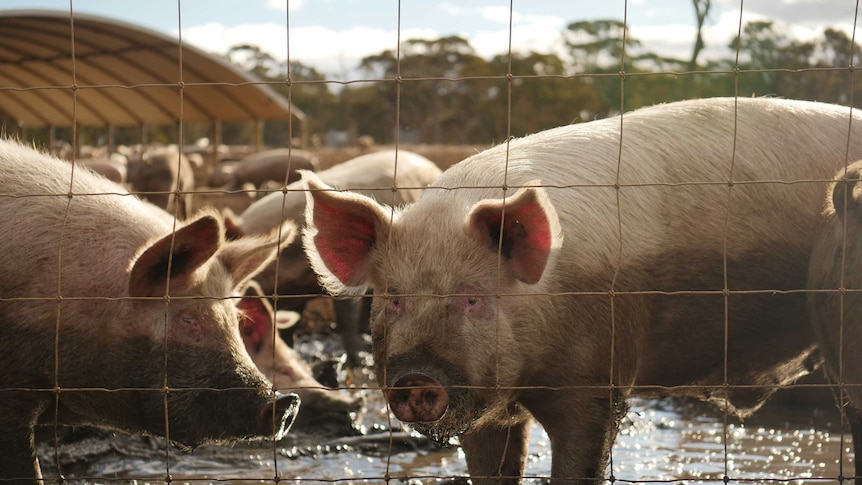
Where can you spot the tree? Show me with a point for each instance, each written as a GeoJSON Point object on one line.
{"type": "Point", "coordinates": [701, 11]}
{"type": "Point", "coordinates": [759, 46]}
{"type": "Point", "coordinates": [599, 44]}
{"type": "Point", "coordinates": [431, 94]}
{"type": "Point", "coordinates": [605, 49]}
{"type": "Point", "coordinates": [306, 90]}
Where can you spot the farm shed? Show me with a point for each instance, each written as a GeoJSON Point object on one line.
{"type": "Point", "coordinates": [58, 70]}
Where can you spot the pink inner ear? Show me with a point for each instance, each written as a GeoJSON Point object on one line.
{"type": "Point", "coordinates": [344, 241]}
{"type": "Point", "coordinates": [255, 323]}
{"type": "Point", "coordinates": [537, 228]}
{"type": "Point", "coordinates": [527, 233]}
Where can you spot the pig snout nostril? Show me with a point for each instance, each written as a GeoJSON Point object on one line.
{"type": "Point", "coordinates": [417, 398]}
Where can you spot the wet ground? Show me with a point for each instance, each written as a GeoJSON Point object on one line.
{"type": "Point", "coordinates": [660, 440]}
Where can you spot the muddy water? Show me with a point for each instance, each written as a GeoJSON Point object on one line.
{"type": "Point", "coordinates": [659, 440]}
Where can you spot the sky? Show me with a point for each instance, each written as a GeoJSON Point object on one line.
{"type": "Point", "coordinates": [334, 35]}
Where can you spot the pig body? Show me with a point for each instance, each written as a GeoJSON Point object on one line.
{"type": "Point", "coordinates": [372, 175]}
{"type": "Point", "coordinates": [105, 306]}
{"type": "Point", "coordinates": [157, 173]}
{"type": "Point", "coordinates": [615, 263]}
{"type": "Point", "coordinates": [835, 306]}
{"type": "Point", "coordinates": [276, 165]}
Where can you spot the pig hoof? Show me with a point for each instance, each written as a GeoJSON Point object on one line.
{"type": "Point", "coordinates": [417, 398]}
{"type": "Point", "coordinates": [277, 417]}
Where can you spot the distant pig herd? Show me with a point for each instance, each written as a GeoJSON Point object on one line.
{"type": "Point", "coordinates": [708, 248]}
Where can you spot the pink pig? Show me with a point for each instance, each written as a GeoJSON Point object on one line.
{"type": "Point", "coordinates": [553, 276]}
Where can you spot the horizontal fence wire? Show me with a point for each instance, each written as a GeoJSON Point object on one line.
{"type": "Point", "coordinates": [649, 447]}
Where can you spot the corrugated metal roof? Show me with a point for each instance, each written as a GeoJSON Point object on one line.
{"type": "Point", "coordinates": [56, 69]}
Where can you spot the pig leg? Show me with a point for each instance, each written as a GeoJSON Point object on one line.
{"type": "Point", "coordinates": [854, 417]}
{"type": "Point", "coordinates": [497, 452]}
{"type": "Point", "coordinates": [18, 456]}
{"type": "Point", "coordinates": [582, 425]}
{"type": "Point", "coordinates": [347, 320]}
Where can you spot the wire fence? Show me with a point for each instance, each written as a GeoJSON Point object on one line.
{"type": "Point", "coordinates": [610, 300]}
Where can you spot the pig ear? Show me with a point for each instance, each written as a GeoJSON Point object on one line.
{"type": "Point", "coordinates": [232, 229]}
{"type": "Point", "coordinates": [524, 227]}
{"type": "Point", "coordinates": [285, 319]}
{"type": "Point", "coordinates": [847, 192]}
{"type": "Point", "coordinates": [184, 251]}
{"type": "Point", "coordinates": [248, 255]}
{"type": "Point", "coordinates": [341, 232]}
{"type": "Point", "coordinates": [255, 320]}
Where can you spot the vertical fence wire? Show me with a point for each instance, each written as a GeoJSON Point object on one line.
{"type": "Point", "coordinates": [402, 82]}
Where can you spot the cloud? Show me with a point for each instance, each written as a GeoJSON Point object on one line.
{"type": "Point", "coordinates": [803, 19]}
{"type": "Point", "coordinates": [673, 40]}
{"type": "Point", "coordinates": [539, 33]}
{"type": "Point", "coordinates": [797, 11]}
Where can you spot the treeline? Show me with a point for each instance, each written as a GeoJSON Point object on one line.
{"type": "Point", "coordinates": [449, 95]}
{"type": "Point", "coordinates": [441, 92]}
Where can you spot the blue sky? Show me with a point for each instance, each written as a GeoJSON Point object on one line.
{"type": "Point", "coordinates": [332, 35]}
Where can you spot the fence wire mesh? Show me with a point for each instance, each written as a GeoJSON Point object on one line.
{"type": "Point", "coordinates": [132, 330]}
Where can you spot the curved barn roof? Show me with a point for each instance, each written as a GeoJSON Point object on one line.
{"type": "Point", "coordinates": [98, 71]}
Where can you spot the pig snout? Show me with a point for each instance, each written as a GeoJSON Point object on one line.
{"type": "Point", "coordinates": [277, 417]}
{"type": "Point", "coordinates": [417, 398]}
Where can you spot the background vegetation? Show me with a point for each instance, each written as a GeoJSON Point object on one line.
{"type": "Point", "coordinates": [439, 91]}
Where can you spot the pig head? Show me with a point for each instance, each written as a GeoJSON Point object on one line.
{"type": "Point", "coordinates": [282, 365]}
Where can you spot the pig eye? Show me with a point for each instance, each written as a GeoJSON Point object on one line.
{"type": "Point", "coordinates": [472, 300]}
{"type": "Point", "coordinates": [188, 320]}
{"type": "Point", "coordinates": [393, 305]}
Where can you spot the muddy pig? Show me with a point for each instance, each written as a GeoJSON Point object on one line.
{"type": "Point", "coordinates": [282, 365]}
{"type": "Point", "coordinates": [373, 175]}
{"type": "Point", "coordinates": [274, 165]}
{"type": "Point", "coordinates": [836, 307]}
{"type": "Point", "coordinates": [115, 315]}
{"type": "Point", "coordinates": [554, 276]}
{"type": "Point", "coordinates": [157, 173]}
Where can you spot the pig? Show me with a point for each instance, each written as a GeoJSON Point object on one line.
{"type": "Point", "coordinates": [282, 365]}
{"type": "Point", "coordinates": [158, 173]}
{"type": "Point", "coordinates": [834, 302]}
{"type": "Point", "coordinates": [113, 168]}
{"type": "Point", "coordinates": [116, 315]}
{"type": "Point", "coordinates": [371, 174]}
{"type": "Point", "coordinates": [222, 174]}
{"type": "Point", "coordinates": [551, 277]}
{"type": "Point", "coordinates": [280, 165]}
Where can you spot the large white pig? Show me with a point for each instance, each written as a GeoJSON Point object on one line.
{"type": "Point", "coordinates": [372, 174]}
{"type": "Point", "coordinates": [554, 276]}
{"type": "Point", "coordinates": [115, 315]}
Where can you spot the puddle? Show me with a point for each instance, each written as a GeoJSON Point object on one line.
{"type": "Point", "coordinates": [660, 440]}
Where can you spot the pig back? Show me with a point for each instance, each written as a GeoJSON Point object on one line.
{"type": "Point", "coordinates": [277, 164]}
{"type": "Point", "coordinates": [373, 174]}
{"type": "Point", "coordinates": [690, 176]}
{"type": "Point", "coordinates": [76, 221]}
